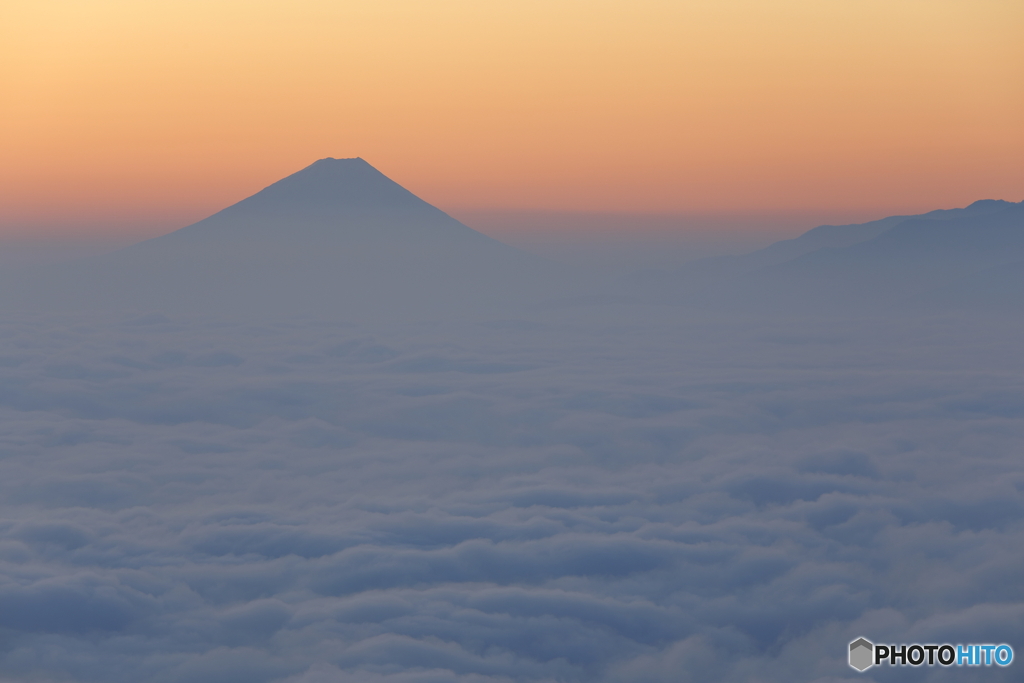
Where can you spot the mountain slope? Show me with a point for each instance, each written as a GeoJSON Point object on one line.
{"type": "Point", "coordinates": [336, 238]}
{"type": "Point", "coordinates": [899, 266]}
{"type": "Point", "coordinates": [839, 236]}
{"type": "Point", "coordinates": [711, 271]}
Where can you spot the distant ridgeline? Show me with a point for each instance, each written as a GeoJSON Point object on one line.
{"type": "Point", "coordinates": [957, 258]}
{"type": "Point", "coordinates": [339, 238]}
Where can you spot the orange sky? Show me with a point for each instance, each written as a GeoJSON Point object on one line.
{"type": "Point", "coordinates": [121, 113]}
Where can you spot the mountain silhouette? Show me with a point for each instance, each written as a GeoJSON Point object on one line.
{"type": "Point", "coordinates": [952, 258]}
{"type": "Point", "coordinates": [336, 238]}
{"type": "Point", "coordinates": [340, 239]}
{"type": "Point", "coordinates": [824, 237]}
{"type": "Point", "coordinates": [334, 200]}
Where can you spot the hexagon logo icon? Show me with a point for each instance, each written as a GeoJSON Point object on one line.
{"type": "Point", "coordinates": [862, 653]}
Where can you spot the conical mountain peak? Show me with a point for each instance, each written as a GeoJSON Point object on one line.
{"type": "Point", "coordinates": [335, 185]}
{"type": "Point", "coordinates": [332, 200]}
{"type": "Point", "coordinates": [337, 235]}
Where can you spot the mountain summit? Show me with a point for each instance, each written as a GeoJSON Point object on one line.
{"type": "Point", "coordinates": [348, 185]}
{"type": "Point", "coordinates": [328, 189]}
{"type": "Point", "coordinates": [337, 238]}
{"type": "Point", "coordinates": [332, 199]}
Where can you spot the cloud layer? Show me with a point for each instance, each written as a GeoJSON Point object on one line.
{"type": "Point", "coordinates": [620, 496]}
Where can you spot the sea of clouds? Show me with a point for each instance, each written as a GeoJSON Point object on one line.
{"type": "Point", "coordinates": [616, 494]}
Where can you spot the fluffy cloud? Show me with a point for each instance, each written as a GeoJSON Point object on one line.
{"type": "Point", "coordinates": [602, 494]}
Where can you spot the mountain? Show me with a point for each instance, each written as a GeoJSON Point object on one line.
{"type": "Point", "coordinates": [336, 238]}
{"type": "Point", "coordinates": [840, 236]}
{"type": "Point", "coordinates": [948, 258]}
{"type": "Point", "coordinates": [339, 239]}
{"type": "Point", "coordinates": [825, 237]}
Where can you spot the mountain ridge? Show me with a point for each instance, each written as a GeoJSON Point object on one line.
{"type": "Point", "coordinates": [837, 236]}
{"type": "Point", "coordinates": [338, 237]}
{"type": "Point", "coordinates": [895, 261]}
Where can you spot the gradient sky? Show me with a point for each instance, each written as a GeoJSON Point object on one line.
{"type": "Point", "coordinates": [118, 113]}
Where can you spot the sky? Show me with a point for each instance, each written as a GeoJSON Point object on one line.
{"type": "Point", "coordinates": [119, 117]}
{"type": "Point", "coordinates": [274, 451]}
